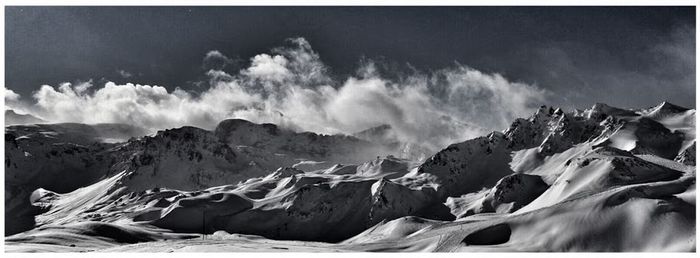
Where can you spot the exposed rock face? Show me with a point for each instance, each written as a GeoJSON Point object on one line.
{"type": "Point", "coordinates": [186, 158]}
{"type": "Point", "coordinates": [554, 131]}
{"type": "Point", "coordinates": [469, 166]}
{"type": "Point", "coordinates": [655, 139]}
{"type": "Point", "coordinates": [515, 191]}
{"type": "Point", "coordinates": [687, 156]}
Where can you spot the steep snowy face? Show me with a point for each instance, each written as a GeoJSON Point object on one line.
{"type": "Point", "coordinates": [57, 157]}
{"type": "Point", "coordinates": [60, 158]}
{"type": "Point", "coordinates": [677, 119]}
{"type": "Point", "coordinates": [391, 200]}
{"type": "Point", "coordinates": [469, 166]}
{"type": "Point", "coordinates": [687, 156]}
{"type": "Point", "coordinates": [186, 158]}
{"type": "Point", "coordinates": [509, 194]}
{"type": "Point", "coordinates": [553, 131]}
{"type": "Point", "coordinates": [655, 139]}
{"type": "Point", "coordinates": [662, 130]}
{"type": "Point", "coordinates": [65, 155]}
{"type": "Point", "coordinates": [664, 110]}
{"type": "Point", "coordinates": [600, 111]}
{"type": "Point", "coordinates": [306, 145]}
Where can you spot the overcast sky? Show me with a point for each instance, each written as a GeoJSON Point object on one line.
{"type": "Point", "coordinates": [562, 56]}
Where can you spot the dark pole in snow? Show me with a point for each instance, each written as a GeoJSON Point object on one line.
{"type": "Point", "coordinates": [204, 233]}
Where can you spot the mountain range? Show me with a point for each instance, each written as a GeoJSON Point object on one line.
{"type": "Point", "coordinates": [600, 179]}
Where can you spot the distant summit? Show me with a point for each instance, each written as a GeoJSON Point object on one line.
{"type": "Point", "coordinates": [13, 118]}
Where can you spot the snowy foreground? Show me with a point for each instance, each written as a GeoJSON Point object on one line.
{"type": "Point", "coordinates": [601, 179]}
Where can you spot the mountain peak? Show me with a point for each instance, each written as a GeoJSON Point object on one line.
{"type": "Point", "coordinates": [600, 111]}
{"type": "Point", "coordinates": [668, 107]}
{"type": "Point", "coordinates": [14, 118]}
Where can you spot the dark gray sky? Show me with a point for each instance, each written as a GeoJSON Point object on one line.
{"type": "Point", "coordinates": [626, 56]}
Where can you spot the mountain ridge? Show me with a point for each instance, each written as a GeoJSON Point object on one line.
{"type": "Point", "coordinates": [239, 179]}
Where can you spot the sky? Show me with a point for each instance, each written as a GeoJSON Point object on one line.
{"type": "Point", "coordinates": [452, 71]}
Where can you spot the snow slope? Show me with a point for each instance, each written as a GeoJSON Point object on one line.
{"type": "Point", "coordinates": [59, 157]}
{"type": "Point", "coordinates": [601, 179]}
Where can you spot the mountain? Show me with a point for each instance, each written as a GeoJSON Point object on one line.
{"type": "Point", "coordinates": [600, 179]}
{"type": "Point", "coordinates": [12, 118]}
{"type": "Point", "coordinates": [61, 157]}
{"type": "Point", "coordinates": [64, 157]}
{"type": "Point", "coordinates": [286, 144]}
{"type": "Point", "coordinates": [387, 136]}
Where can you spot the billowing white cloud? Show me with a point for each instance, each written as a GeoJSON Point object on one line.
{"type": "Point", "coordinates": [291, 87]}
{"type": "Point", "coordinates": [10, 95]}
{"type": "Point", "coordinates": [14, 101]}
{"type": "Point", "coordinates": [472, 95]}
{"type": "Point", "coordinates": [268, 68]}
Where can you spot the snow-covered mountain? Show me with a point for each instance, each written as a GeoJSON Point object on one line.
{"type": "Point", "coordinates": [64, 157]}
{"type": "Point", "coordinates": [61, 157]}
{"type": "Point", "coordinates": [388, 137]}
{"type": "Point", "coordinates": [13, 118]}
{"type": "Point", "coordinates": [287, 144]}
{"type": "Point", "coordinates": [600, 179]}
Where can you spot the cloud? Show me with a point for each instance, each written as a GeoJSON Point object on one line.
{"type": "Point", "coordinates": [81, 87]}
{"type": "Point", "coordinates": [291, 87]}
{"type": "Point", "coordinates": [125, 74]}
{"type": "Point", "coordinates": [215, 60]}
{"type": "Point", "coordinates": [10, 95]}
{"type": "Point", "coordinates": [268, 68]}
{"type": "Point", "coordinates": [14, 101]}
